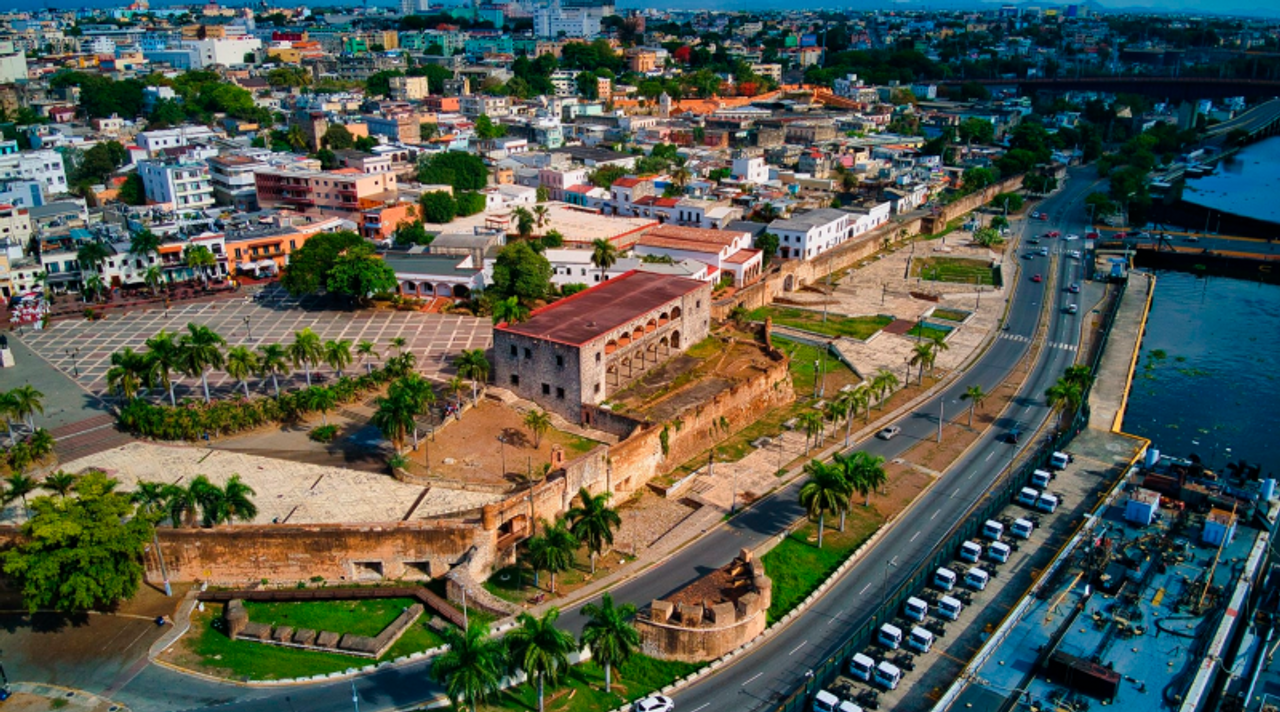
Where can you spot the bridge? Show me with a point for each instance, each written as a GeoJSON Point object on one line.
{"type": "Point", "coordinates": [1164, 87]}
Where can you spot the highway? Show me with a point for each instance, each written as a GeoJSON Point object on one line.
{"type": "Point", "coordinates": [774, 668]}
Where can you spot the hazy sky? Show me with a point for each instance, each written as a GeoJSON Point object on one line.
{"type": "Point", "coordinates": [1243, 7]}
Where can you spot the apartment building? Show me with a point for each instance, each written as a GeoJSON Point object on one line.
{"type": "Point", "coordinates": [233, 182]}
{"type": "Point", "coordinates": [44, 166]}
{"type": "Point", "coordinates": [491, 106]}
{"type": "Point", "coordinates": [345, 191]}
{"type": "Point", "coordinates": [810, 234]}
{"type": "Point", "coordinates": [153, 142]}
{"type": "Point", "coordinates": [185, 186]}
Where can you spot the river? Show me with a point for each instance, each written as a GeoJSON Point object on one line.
{"type": "Point", "coordinates": [1206, 377]}
{"type": "Point", "coordinates": [1244, 184]}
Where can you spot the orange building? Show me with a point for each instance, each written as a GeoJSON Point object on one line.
{"type": "Point", "coordinates": [381, 223]}
{"type": "Point", "coordinates": [344, 191]}
{"type": "Point", "coordinates": [266, 252]}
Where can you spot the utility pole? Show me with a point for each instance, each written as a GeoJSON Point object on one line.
{"type": "Point", "coordinates": [941, 416]}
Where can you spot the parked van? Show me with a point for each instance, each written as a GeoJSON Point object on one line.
{"type": "Point", "coordinates": [970, 551]}
{"type": "Point", "coordinates": [1027, 497]}
{"type": "Point", "coordinates": [887, 675]}
{"type": "Point", "coordinates": [976, 579]}
{"type": "Point", "coordinates": [999, 552]}
{"type": "Point", "coordinates": [1059, 460]}
{"type": "Point", "coordinates": [949, 608]}
{"type": "Point", "coordinates": [1040, 478]}
{"type": "Point", "coordinates": [944, 579]}
{"type": "Point", "coordinates": [1022, 528]}
{"type": "Point", "coordinates": [890, 636]}
{"type": "Point", "coordinates": [915, 609]}
{"type": "Point", "coordinates": [1047, 503]}
{"type": "Point", "coordinates": [861, 667]}
{"type": "Point", "coordinates": [920, 640]}
{"type": "Point", "coordinates": [825, 702]}
{"type": "Point", "coordinates": [992, 529]}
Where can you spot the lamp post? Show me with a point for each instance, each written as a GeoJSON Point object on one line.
{"type": "Point", "coordinates": [248, 328]}
{"type": "Point", "coordinates": [73, 353]}
{"type": "Point", "coordinates": [884, 596]}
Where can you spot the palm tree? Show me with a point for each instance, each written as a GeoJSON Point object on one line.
{"type": "Point", "coordinates": [1063, 396]}
{"type": "Point", "coordinates": [306, 351]}
{"type": "Point", "coordinates": [295, 137]}
{"type": "Point", "coordinates": [212, 499]}
{"type": "Point", "coordinates": [367, 352]}
{"type": "Point", "coordinates": [143, 243]}
{"type": "Point", "coordinates": [834, 411]}
{"type": "Point", "coordinates": [418, 396]}
{"type": "Point", "coordinates": [681, 176]}
{"type": "Point", "coordinates": [40, 443]}
{"type": "Point", "coordinates": [242, 362]}
{"type": "Point", "coordinates": [612, 639]}
{"type": "Point", "coordinates": [811, 421]}
{"type": "Point", "coordinates": [454, 387]}
{"type": "Point", "coordinates": [162, 360]}
{"type": "Point", "coordinates": [91, 255]}
{"type": "Point", "coordinates": [322, 399]}
{"type": "Point", "coordinates": [179, 504]}
{"type": "Point", "coordinates": [472, 364]}
{"type": "Point", "coordinates": [273, 360]}
{"type": "Point", "coordinates": [865, 473]}
{"type": "Point", "coordinates": [920, 356]}
{"type": "Point", "coordinates": [884, 382]}
{"type": "Point", "coordinates": [939, 343]}
{"type": "Point", "coordinates": [337, 354]}
{"type": "Point", "coordinates": [538, 422]}
{"type": "Point", "coordinates": [848, 404]}
{"type": "Point", "coordinates": [199, 259]}
{"type": "Point", "coordinates": [9, 407]}
{"type": "Point", "coordinates": [18, 486]}
{"type": "Point", "coordinates": [556, 552]}
{"type": "Point", "coordinates": [200, 350]}
{"type": "Point", "coordinates": [593, 523]}
{"type": "Point", "coordinates": [27, 402]}
{"type": "Point", "coordinates": [150, 500]}
{"type": "Point", "coordinates": [1079, 374]}
{"type": "Point", "coordinates": [59, 482]}
{"type": "Point", "coordinates": [94, 285]}
{"type": "Point", "coordinates": [862, 401]}
{"type": "Point", "coordinates": [510, 311]}
{"type": "Point", "coordinates": [397, 343]}
{"type": "Point", "coordinates": [539, 649]}
{"type": "Point", "coordinates": [975, 395]}
{"type": "Point", "coordinates": [541, 215]}
{"type": "Point", "coordinates": [236, 502]}
{"type": "Point", "coordinates": [395, 418]}
{"type": "Point", "coordinates": [128, 369]}
{"type": "Point", "coordinates": [472, 665]}
{"type": "Point", "coordinates": [604, 254]}
{"type": "Point", "coordinates": [524, 222]}
{"type": "Point", "coordinates": [825, 491]}
{"type": "Point", "coordinates": [153, 277]}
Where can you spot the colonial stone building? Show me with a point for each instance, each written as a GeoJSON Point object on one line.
{"type": "Point", "coordinates": [583, 349]}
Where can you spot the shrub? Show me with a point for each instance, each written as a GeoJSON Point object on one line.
{"type": "Point", "coordinates": [324, 433]}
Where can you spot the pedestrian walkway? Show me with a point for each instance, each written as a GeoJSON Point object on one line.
{"type": "Point", "coordinates": [35, 697]}
{"type": "Point", "coordinates": [1027, 339]}
{"type": "Point", "coordinates": [88, 437]}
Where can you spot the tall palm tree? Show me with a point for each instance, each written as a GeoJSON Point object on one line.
{"type": "Point", "coordinates": [538, 422]}
{"type": "Point", "coordinates": [454, 387]}
{"type": "Point", "coordinates": [306, 351]}
{"type": "Point", "coordinates": [27, 402]}
{"type": "Point", "coordinates": [162, 360]}
{"type": "Point", "coordinates": [542, 216]}
{"type": "Point", "coordinates": [864, 473]}
{"type": "Point", "coordinates": [395, 418]}
{"type": "Point", "coordinates": [397, 343]}
{"type": "Point", "coordinates": [199, 259]}
{"type": "Point", "coordinates": [539, 649]}
{"type": "Point", "coordinates": [604, 254]}
{"type": "Point", "coordinates": [921, 354]}
{"type": "Point", "coordinates": [94, 285]}
{"type": "Point", "coordinates": [40, 443]}
{"type": "Point", "coordinates": [848, 404]}
{"type": "Point", "coordinates": [60, 483]}
{"type": "Point", "coordinates": [471, 668]}
{"type": "Point", "coordinates": [200, 349]}
{"type": "Point", "coordinates": [811, 421]}
{"type": "Point", "coordinates": [472, 364]}
{"type": "Point", "coordinates": [862, 401]}
{"type": "Point", "coordinates": [91, 255]}
{"type": "Point", "coordinates": [524, 222]}
{"type": "Point", "coordinates": [510, 311]}
{"type": "Point", "coordinates": [557, 551]}
{"type": "Point", "coordinates": [610, 635]}
{"type": "Point", "coordinates": [273, 360]}
{"type": "Point", "coordinates": [179, 503]}
{"type": "Point", "coordinates": [418, 397]}
{"type": "Point", "coordinates": [242, 362]}
{"type": "Point", "coordinates": [1080, 375]}
{"type": "Point", "coordinates": [295, 137]}
{"type": "Point", "coordinates": [322, 399]}
{"type": "Point", "coordinates": [236, 500]}
{"type": "Point", "coordinates": [211, 499]}
{"type": "Point", "coordinates": [153, 278]}
{"type": "Point", "coordinates": [18, 486]}
{"type": "Point", "coordinates": [681, 176]}
{"type": "Point", "coordinates": [150, 500]}
{"type": "Point", "coordinates": [127, 372]}
{"type": "Point", "coordinates": [975, 395]}
{"type": "Point", "coordinates": [1063, 396]}
{"type": "Point", "coordinates": [825, 491]}
{"type": "Point", "coordinates": [337, 354]}
{"type": "Point", "coordinates": [593, 522]}
{"type": "Point", "coordinates": [9, 408]}
{"type": "Point", "coordinates": [939, 343]}
{"type": "Point", "coordinates": [884, 382]}
{"type": "Point", "coordinates": [367, 351]}
{"type": "Point", "coordinates": [833, 411]}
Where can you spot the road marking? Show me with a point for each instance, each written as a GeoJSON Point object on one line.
{"type": "Point", "coordinates": [703, 707]}
{"type": "Point", "coordinates": [752, 679]}
{"type": "Point", "coordinates": [935, 514]}
{"type": "Point", "coordinates": [864, 589]}
{"type": "Point", "coordinates": [836, 617]}
{"type": "Point", "coordinates": [993, 454]}
{"type": "Point", "coordinates": [793, 650]}
{"type": "Point", "coordinates": [893, 561]}
{"type": "Point", "coordinates": [913, 536]}
{"type": "Point", "coordinates": [956, 493]}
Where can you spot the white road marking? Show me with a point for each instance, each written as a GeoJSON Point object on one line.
{"type": "Point", "coordinates": [752, 679]}
{"type": "Point", "coordinates": [793, 650]}
{"type": "Point", "coordinates": [956, 493]}
{"type": "Point", "coordinates": [991, 455]}
{"type": "Point", "coordinates": [703, 707]}
{"type": "Point", "coordinates": [864, 589]}
{"type": "Point", "coordinates": [913, 536]}
{"type": "Point", "coordinates": [836, 617]}
{"type": "Point", "coordinates": [935, 514]}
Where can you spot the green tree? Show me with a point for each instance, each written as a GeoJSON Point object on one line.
{"type": "Point", "coordinates": [395, 418]}
{"type": "Point", "coordinates": [273, 360]}
{"type": "Point", "coordinates": [974, 179]}
{"type": "Point", "coordinates": [153, 277]}
{"type": "Point", "coordinates": [975, 129]}
{"type": "Point", "coordinates": [811, 422]}
{"type": "Point", "coordinates": [975, 395]}
{"type": "Point", "coordinates": [413, 233]}
{"type": "Point", "coordinates": [242, 362]}
{"type": "Point", "coordinates": [60, 483]}
{"type": "Point", "coordinates": [592, 521]}
{"type": "Point", "coordinates": [509, 311]}
{"type": "Point", "coordinates": [470, 203]}
{"type": "Point", "coordinates": [379, 83]}
{"type": "Point", "coordinates": [306, 351]}
{"type": "Point", "coordinates": [825, 491]}
{"type": "Point", "coordinates": [463, 171]}
{"type": "Point", "coordinates": [524, 222]}
{"type": "Point", "coordinates": [921, 356]}
{"type": "Point", "coordinates": [438, 207]}
{"type": "Point", "coordinates": [366, 352]}
{"type": "Point", "coordinates": [27, 401]}
{"type": "Point", "coordinates": [127, 373]}
{"type": "Point", "coordinates": [554, 550]}
{"type": "Point", "coordinates": [520, 272]}
{"type": "Point", "coordinates": [864, 473]}
{"type": "Point", "coordinates": [1009, 202]}
{"type": "Point", "coordinates": [604, 177]}
{"type": "Point", "coordinates": [132, 191]}
{"type": "Point", "coordinates": [328, 159]}
{"type": "Point", "coordinates": [1064, 396]}
{"type": "Point", "coordinates": [199, 350]}
{"type": "Point", "coordinates": [337, 354]}
{"type": "Point", "coordinates": [17, 487]}
{"type": "Point", "coordinates": [91, 255]}
{"type": "Point", "coordinates": [309, 266]}
{"type": "Point", "coordinates": [987, 237]}
{"type": "Point", "coordinates": [552, 239]}
{"type": "Point", "coordinates": [538, 422]}
{"type": "Point", "coordinates": [199, 259]}
{"type": "Point", "coordinates": [609, 634]}
{"type": "Point", "coordinates": [360, 274]}
{"type": "Point", "coordinates": [604, 254]}
{"type": "Point", "coordinates": [143, 244]}
{"type": "Point", "coordinates": [163, 358]}
{"type": "Point", "coordinates": [472, 364]}
{"type": "Point", "coordinates": [487, 130]}
{"type": "Point", "coordinates": [337, 137]}
{"type": "Point", "coordinates": [539, 649]}
{"type": "Point", "coordinates": [767, 243]}
{"type": "Point", "coordinates": [471, 668]}
{"type": "Point", "coordinates": [81, 553]}
{"type": "Point", "coordinates": [323, 400]}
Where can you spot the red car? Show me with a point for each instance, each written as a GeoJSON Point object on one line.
{"type": "Point", "coordinates": [1054, 233]}
{"type": "Point", "coordinates": [1037, 278]}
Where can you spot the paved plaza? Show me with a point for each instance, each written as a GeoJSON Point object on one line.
{"type": "Point", "coordinates": [82, 349]}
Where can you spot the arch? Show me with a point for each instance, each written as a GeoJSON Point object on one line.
{"type": "Point", "coordinates": [675, 339]}
{"type": "Point", "coordinates": [408, 288]}
{"type": "Point", "coordinates": [637, 333]}
{"type": "Point", "coordinates": [663, 318]}
{"type": "Point", "coordinates": [624, 340]}
{"type": "Point", "coordinates": [461, 291]}
{"type": "Point", "coordinates": [789, 283]}
{"type": "Point", "coordinates": [651, 327]}
{"type": "Point", "coordinates": [676, 312]}
{"type": "Point", "coordinates": [443, 290]}
{"type": "Point", "coordinates": [609, 347]}
{"type": "Point", "coordinates": [664, 341]}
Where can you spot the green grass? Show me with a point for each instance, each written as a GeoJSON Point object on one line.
{"type": "Point", "coordinates": [950, 314]}
{"type": "Point", "coordinates": [512, 583]}
{"type": "Point", "coordinates": [926, 332]}
{"type": "Point", "coordinates": [797, 566]}
{"type": "Point", "coordinates": [582, 690]}
{"type": "Point", "coordinates": [856, 327]}
{"type": "Point", "coordinates": [706, 348]}
{"type": "Point", "coordinates": [363, 617]}
{"type": "Point", "coordinates": [953, 269]}
{"type": "Point", "coordinates": [575, 444]}
{"type": "Point", "coordinates": [803, 371]}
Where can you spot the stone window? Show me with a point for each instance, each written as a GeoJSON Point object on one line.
{"type": "Point", "coordinates": [546, 389]}
{"type": "Point", "coordinates": [515, 379]}
{"type": "Point", "coordinates": [528, 352]}
{"type": "Point", "coordinates": [514, 351]}
{"type": "Point", "coordinates": [560, 393]}
{"type": "Point", "coordinates": [559, 361]}
{"type": "Point", "coordinates": [597, 388]}
{"type": "Point", "coordinates": [597, 357]}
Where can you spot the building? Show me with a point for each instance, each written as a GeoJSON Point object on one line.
{"type": "Point", "coordinates": [430, 276]}
{"type": "Point", "coordinates": [233, 182]}
{"type": "Point", "coordinates": [44, 166]}
{"type": "Point", "coordinates": [750, 169]}
{"type": "Point", "coordinates": [491, 106]}
{"type": "Point", "coordinates": [409, 88]}
{"type": "Point", "coordinates": [221, 52]}
{"type": "Point", "coordinates": [153, 142]}
{"type": "Point", "coordinates": [185, 186]}
{"type": "Point", "coordinates": [810, 234]}
{"type": "Point", "coordinates": [345, 191]}
{"type": "Point", "coordinates": [556, 20]}
{"type": "Point", "coordinates": [15, 225]}
{"type": "Point", "coordinates": [13, 64]}
{"type": "Point", "coordinates": [641, 60]}
{"type": "Point", "coordinates": [582, 349]}
{"type": "Point", "coordinates": [380, 223]}
{"type": "Point", "coordinates": [727, 251]}
{"type": "Point", "coordinates": [398, 126]}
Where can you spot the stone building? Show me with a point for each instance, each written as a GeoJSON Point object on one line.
{"type": "Point", "coordinates": [583, 349]}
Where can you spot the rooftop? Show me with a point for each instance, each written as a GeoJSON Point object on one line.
{"type": "Point", "coordinates": [433, 265]}
{"type": "Point", "coordinates": [810, 219]}
{"type": "Point", "coordinates": [590, 314]}
{"type": "Point", "coordinates": [696, 234]}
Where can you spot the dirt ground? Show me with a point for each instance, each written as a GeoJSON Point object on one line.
{"type": "Point", "coordinates": [688, 380]}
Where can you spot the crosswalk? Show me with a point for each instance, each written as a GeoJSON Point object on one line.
{"type": "Point", "coordinates": [1051, 344]}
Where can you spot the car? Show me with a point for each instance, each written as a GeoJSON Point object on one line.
{"type": "Point", "coordinates": [1071, 237]}
{"type": "Point", "coordinates": [654, 703]}
{"type": "Point", "coordinates": [1091, 236]}
{"type": "Point", "coordinates": [1033, 241]}
{"type": "Point", "coordinates": [1036, 215]}
{"type": "Point", "coordinates": [1013, 436]}
{"type": "Point", "coordinates": [1071, 309]}
{"type": "Point", "coordinates": [1074, 288]}
{"type": "Point", "coordinates": [1044, 216]}
{"type": "Point", "coordinates": [1054, 233]}
{"type": "Point", "coordinates": [1037, 278]}
{"type": "Point", "coordinates": [889, 432]}
{"type": "Point", "coordinates": [1029, 255]}
{"type": "Point", "coordinates": [1192, 238]}
{"type": "Point", "coordinates": [1074, 254]}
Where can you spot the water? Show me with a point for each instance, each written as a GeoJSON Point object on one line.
{"type": "Point", "coordinates": [1206, 377]}
{"type": "Point", "coordinates": [1244, 185]}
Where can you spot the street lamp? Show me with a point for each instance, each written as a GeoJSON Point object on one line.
{"type": "Point", "coordinates": [248, 328]}
{"type": "Point", "coordinates": [73, 353]}
{"type": "Point", "coordinates": [884, 596]}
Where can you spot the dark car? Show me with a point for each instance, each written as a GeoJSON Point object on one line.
{"type": "Point", "coordinates": [1013, 436]}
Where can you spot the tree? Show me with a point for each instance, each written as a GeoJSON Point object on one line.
{"type": "Point", "coordinates": [975, 129]}
{"type": "Point", "coordinates": [463, 171]}
{"type": "Point", "coordinates": [163, 358]}
{"type": "Point", "coordinates": [520, 272]}
{"type": "Point", "coordinates": [556, 553]}
{"type": "Point", "coordinates": [379, 83]}
{"type": "Point", "coordinates": [524, 222]}
{"type": "Point", "coordinates": [609, 635]}
{"type": "Point", "coordinates": [509, 311]}
{"type": "Point", "coordinates": [18, 486]}
{"type": "Point", "coordinates": [418, 394]}
{"type": "Point", "coordinates": [80, 553]}
{"type": "Point", "coordinates": [366, 352]}
{"type": "Point", "coordinates": [8, 407]}
{"type": "Point", "coordinates": [472, 665]}
{"type": "Point", "coordinates": [470, 203]}
{"type": "Point", "coordinates": [153, 277]}
{"type": "Point", "coordinates": [328, 159]}
{"type": "Point", "coordinates": [593, 522]}
{"type": "Point", "coordinates": [939, 343]}
{"type": "Point", "coordinates": [438, 207]}
{"type": "Point", "coordinates": [883, 382]}
{"type": "Point", "coordinates": [180, 504]}
{"type": "Point", "coordinates": [605, 177]}
{"type": "Point", "coordinates": [221, 505]}
{"type": "Point", "coordinates": [59, 483]}
{"type": "Point", "coordinates": [337, 137]}
{"type": "Point", "coordinates": [413, 233]}
{"type": "Point", "coordinates": [242, 362]}
{"type": "Point", "coordinates": [199, 259]}
{"type": "Point", "coordinates": [552, 239]}
{"type": "Point", "coordinates": [128, 369]}
{"type": "Point", "coordinates": [975, 395]}
{"type": "Point", "coordinates": [811, 421]}
{"type": "Point", "coordinates": [864, 473]}
{"type": "Point", "coordinates": [604, 254]}
{"type": "Point", "coordinates": [921, 356]}
{"type": "Point", "coordinates": [199, 350]}
{"type": "Point", "coordinates": [825, 491]}
{"type": "Point", "coordinates": [767, 243]}
{"type": "Point", "coordinates": [309, 265]}
{"type": "Point", "coordinates": [999, 222]}
{"type": "Point", "coordinates": [1080, 375]}
{"type": "Point", "coordinates": [394, 417]}
{"type": "Point", "coordinates": [987, 237]}
{"type": "Point", "coordinates": [359, 274]}
{"type": "Point", "coordinates": [1101, 204]}
{"type": "Point", "coordinates": [1063, 396]}
{"type": "Point", "coordinates": [91, 255]}
{"type": "Point", "coordinates": [487, 130]}
{"type": "Point", "coordinates": [27, 402]}
{"type": "Point", "coordinates": [295, 137]}
{"type": "Point", "coordinates": [974, 179]}
{"type": "Point", "coordinates": [306, 351]}
{"type": "Point", "coordinates": [323, 400]}
{"type": "Point", "coordinates": [472, 364]}
{"type": "Point", "coordinates": [337, 354]}
{"type": "Point", "coordinates": [538, 423]}
{"type": "Point", "coordinates": [132, 190]}
{"type": "Point", "coordinates": [539, 649]}
{"type": "Point", "coordinates": [273, 360]}
{"type": "Point", "coordinates": [1009, 202]}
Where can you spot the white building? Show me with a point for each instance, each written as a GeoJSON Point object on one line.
{"type": "Point", "coordinates": [13, 64]}
{"type": "Point", "coordinates": [810, 234]}
{"type": "Point", "coordinates": [491, 106]}
{"type": "Point", "coordinates": [501, 197]}
{"type": "Point", "coordinates": [724, 250]}
{"type": "Point", "coordinates": [15, 225]}
{"type": "Point", "coordinates": [226, 52]}
{"type": "Point", "coordinates": [44, 166]}
{"type": "Point", "coordinates": [574, 266]}
{"type": "Point", "coordinates": [155, 141]}
{"type": "Point", "coordinates": [554, 21]}
{"type": "Point", "coordinates": [233, 181]}
{"type": "Point", "coordinates": [751, 170]}
{"type": "Point", "coordinates": [186, 186]}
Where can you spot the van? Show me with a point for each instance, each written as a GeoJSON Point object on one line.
{"type": "Point", "coordinates": [887, 675]}
{"type": "Point", "coordinates": [1022, 528]}
{"type": "Point", "coordinates": [847, 706]}
{"type": "Point", "coordinates": [998, 552]}
{"type": "Point", "coordinates": [949, 608]}
{"type": "Point", "coordinates": [970, 552]}
{"type": "Point", "coordinates": [1027, 497]}
{"type": "Point", "coordinates": [976, 579]}
{"type": "Point", "coordinates": [920, 640]}
{"type": "Point", "coordinates": [1059, 460]}
{"type": "Point", "coordinates": [1047, 503]}
{"type": "Point", "coordinates": [1040, 478]}
{"type": "Point", "coordinates": [890, 636]}
{"type": "Point", "coordinates": [915, 609]}
{"type": "Point", "coordinates": [992, 529]}
{"type": "Point", "coordinates": [944, 579]}
{"type": "Point", "coordinates": [828, 702]}
{"type": "Point", "coordinates": [861, 667]}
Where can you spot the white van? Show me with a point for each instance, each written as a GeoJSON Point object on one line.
{"type": "Point", "coordinates": [1059, 460]}
{"type": "Point", "coordinates": [1040, 478]}
{"type": "Point", "coordinates": [944, 579]}
{"type": "Point", "coordinates": [890, 636]}
{"type": "Point", "coordinates": [976, 579]}
{"type": "Point", "coordinates": [970, 551]}
{"type": "Point", "coordinates": [1027, 497]}
{"type": "Point", "coordinates": [827, 702]}
{"type": "Point", "coordinates": [861, 667]}
{"type": "Point", "coordinates": [998, 552]}
{"type": "Point", "coordinates": [992, 529]}
{"type": "Point", "coordinates": [915, 609]}
{"type": "Point", "coordinates": [949, 608]}
{"type": "Point", "coordinates": [1047, 503]}
{"type": "Point", "coordinates": [1022, 528]}
{"type": "Point", "coordinates": [887, 675]}
{"type": "Point", "coordinates": [920, 640]}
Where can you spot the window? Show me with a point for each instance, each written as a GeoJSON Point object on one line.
{"type": "Point", "coordinates": [515, 380]}
{"type": "Point", "coordinates": [698, 304]}
{"type": "Point", "coordinates": [513, 350]}
{"type": "Point", "coordinates": [597, 357]}
{"type": "Point", "coordinates": [528, 352]}
{"type": "Point", "coordinates": [559, 361]}
{"type": "Point", "coordinates": [546, 389]}
{"type": "Point", "coordinates": [560, 393]}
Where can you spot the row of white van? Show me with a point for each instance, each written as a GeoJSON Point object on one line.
{"type": "Point", "coordinates": [1037, 500]}
{"type": "Point", "coordinates": [945, 579]}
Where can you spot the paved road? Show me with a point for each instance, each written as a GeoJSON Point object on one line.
{"type": "Point", "coordinates": [774, 668]}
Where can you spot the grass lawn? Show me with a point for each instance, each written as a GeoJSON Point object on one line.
{"type": "Point", "coordinates": [582, 690]}
{"type": "Point", "coordinates": [950, 314]}
{"type": "Point", "coordinates": [515, 583]}
{"type": "Point", "coordinates": [797, 566]}
{"type": "Point", "coordinates": [365, 617]}
{"type": "Point", "coordinates": [926, 332]}
{"type": "Point", "coordinates": [804, 372]}
{"type": "Point", "coordinates": [857, 327]}
{"type": "Point", "coordinates": [953, 269]}
{"type": "Point", "coordinates": [573, 444]}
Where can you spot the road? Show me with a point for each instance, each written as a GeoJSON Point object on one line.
{"type": "Point", "coordinates": [772, 669]}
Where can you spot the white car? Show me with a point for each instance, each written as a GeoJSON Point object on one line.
{"type": "Point", "coordinates": [1072, 237]}
{"type": "Point", "coordinates": [654, 703]}
{"type": "Point", "coordinates": [1071, 309]}
{"type": "Point", "coordinates": [1074, 254]}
